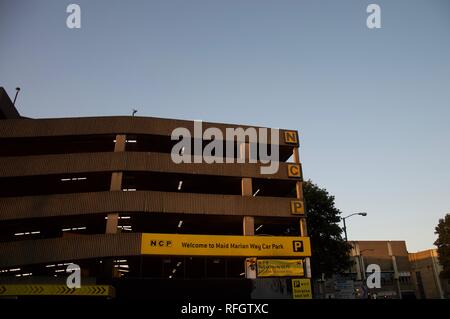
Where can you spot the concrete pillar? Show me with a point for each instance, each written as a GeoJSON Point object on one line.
{"type": "Point", "coordinates": [246, 187]}
{"type": "Point", "coordinates": [358, 268]}
{"type": "Point", "coordinates": [248, 226]}
{"type": "Point", "coordinates": [119, 146]}
{"type": "Point", "coordinates": [248, 222]}
{"type": "Point", "coordinates": [113, 219]}
{"type": "Point", "coordinates": [396, 274]}
{"type": "Point", "coordinates": [244, 152]}
{"type": "Point", "coordinates": [435, 263]}
{"type": "Point", "coordinates": [299, 193]}
{"type": "Point", "coordinates": [116, 185]}
{"type": "Point", "coordinates": [111, 223]}
{"type": "Point", "coordinates": [108, 270]}
{"type": "Point", "coordinates": [303, 225]}
{"type": "Point", "coordinates": [250, 263]}
{"type": "Point", "coordinates": [299, 190]}
{"type": "Point", "coordinates": [296, 156]}
{"type": "Point", "coordinates": [116, 181]}
{"type": "Point", "coordinates": [247, 190]}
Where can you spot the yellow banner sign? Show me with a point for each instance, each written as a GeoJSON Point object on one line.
{"type": "Point", "coordinates": [279, 267]}
{"type": "Point", "coordinates": [214, 245]}
{"type": "Point", "coordinates": [301, 288]}
{"type": "Point", "coordinates": [56, 290]}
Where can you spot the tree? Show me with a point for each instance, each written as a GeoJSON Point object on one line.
{"type": "Point", "coordinates": [330, 252]}
{"type": "Point", "coordinates": [443, 244]}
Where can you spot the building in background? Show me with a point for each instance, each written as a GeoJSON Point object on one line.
{"type": "Point", "coordinates": [396, 281]}
{"type": "Point", "coordinates": [104, 193]}
{"type": "Point", "coordinates": [392, 257]}
{"type": "Point", "coordinates": [426, 269]}
{"type": "Point", "coordinates": [403, 275]}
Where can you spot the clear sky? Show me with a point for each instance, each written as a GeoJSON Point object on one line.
{"type": "Point", "coordinates": [372, 106]}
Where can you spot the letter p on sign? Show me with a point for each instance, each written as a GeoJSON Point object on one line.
{"type": "Point", "coordinates": [297, 207]}
{"type": "Point", "coordinates": [297, 246]}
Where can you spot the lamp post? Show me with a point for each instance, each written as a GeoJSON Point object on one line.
{"type": "Point", "coordinates": [17, 93]}
{"type": "Point", "coordinates": [345, 226]}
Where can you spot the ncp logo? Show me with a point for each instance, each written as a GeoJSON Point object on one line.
{"type": "Point", "coordinates": [160, 243]}
{"type": "Point", "coordinates": [297, 246]}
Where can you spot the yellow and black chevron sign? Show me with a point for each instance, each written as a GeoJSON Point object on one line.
{"type": "Point", "coordinates": [56, 290]}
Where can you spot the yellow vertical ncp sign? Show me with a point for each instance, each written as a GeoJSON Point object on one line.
{"type": "Point", "coordinates": [214, 245]}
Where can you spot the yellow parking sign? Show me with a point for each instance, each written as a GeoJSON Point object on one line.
{"type": "Point", "coordinates": [301, 288]}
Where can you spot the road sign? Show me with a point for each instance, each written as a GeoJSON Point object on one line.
{"type": "Point", "coordinates": [219, 245]}
{"type": "Point", "coordinates": [301, 288]}
{"type": "Point", "coordinates": [280, 267]}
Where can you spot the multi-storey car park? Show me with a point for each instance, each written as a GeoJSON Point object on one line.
{"type": "Point", "coordinates": [103, 193]}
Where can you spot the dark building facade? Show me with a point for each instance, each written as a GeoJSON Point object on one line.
{"type": "Point", "coordinates": [426, 271]}
{"type": "Point", "coordinates": [391, 259]}
{"type": "Point", "coordinates": [104, 193]}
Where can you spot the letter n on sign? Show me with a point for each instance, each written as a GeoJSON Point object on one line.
{"type": "Point", "coordinates": [297, 207]}
{"type": "Point", "coordinates": [290, 137]}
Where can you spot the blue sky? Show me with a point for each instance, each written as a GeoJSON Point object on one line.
{"type": "Point", "coordinates": [372, 106]}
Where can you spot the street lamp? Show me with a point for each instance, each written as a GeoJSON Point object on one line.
{"type": "Point", "coordinates": [17, 93]}
{"type": "Point", "coordinates": [345, 226]}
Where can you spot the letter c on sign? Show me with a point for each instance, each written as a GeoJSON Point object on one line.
{"type": "Point", "coordinates": [294, 170]}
